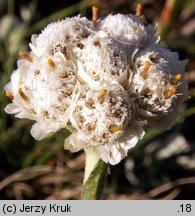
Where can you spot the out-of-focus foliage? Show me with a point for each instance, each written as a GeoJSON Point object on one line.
{"type": "Point", "coordinates": [161, 166]}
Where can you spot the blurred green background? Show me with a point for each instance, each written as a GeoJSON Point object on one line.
{"type": "Point", "coordinates": [161, 166]}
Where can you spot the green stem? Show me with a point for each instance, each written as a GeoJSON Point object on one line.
{"type": "Point", "coordinates": [92, 158]}
{"type": "Point", "coordinates": [95, 175]}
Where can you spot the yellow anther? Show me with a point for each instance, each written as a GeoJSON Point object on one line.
{"type": "Point", "coordinates": [101, 98]}
{"type": "Point", "coordinates": [22, 94]}
{"type": "Point", "coordinates": [171, 92]}
{"type": "Point", "coordinates": [51, 63]}
{"type": "Point", "coordinates": [9, 95]}
{"type": "Point", "coordinates": [103, 92]}
{"type": "Point", "coordinates": [145, 70]}
{"type": "Point", "coordinates": [26, 56]}
{"type": "Point", "coordinates": [176, 79]}
{"type": "Point", "coordinates": [91, 127]}
{"type": "Point", "coordinates": [94, 9]}
{"type": "Point", "coordinates": [95, 13]}
{"type": "Point", "coordinates": [113, 128]}
{"type": "Point", "coordinates": [138, 10]}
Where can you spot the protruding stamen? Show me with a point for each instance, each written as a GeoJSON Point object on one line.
{"type": "Point", "coordinates": [138, 10]}
{"type": "Point", "coordinates": [94, 13]}
{"type": "Point", "coordinates": [139, 14]}
{"type": "Point", "coordinates": [9, 95]}
{"type": "Point", "coordinates": [96, 43]}
{"type": "Point", "coordinates": [26, 56]}
{"type": "Point", "coordinates": [101, 98]}
{"type": "Point", "coordinates": [145, 70]}
{"type": "Point", "coordinates": [171, 92]}
{"type": "Point", "coordinates": [22, 94]}
{"type": "Point", "coordinates": [113, 128]}
{"type": "Point", "coordinates": [80, 45]}
{"type": "Point", "coordinates": [176, 79]}
{"type": "Point", "coordinates": [63, 74]}
{"type": "Point", "coordinates": [103, 92]}
{"type": "Point", "coordinates": [51, 63]}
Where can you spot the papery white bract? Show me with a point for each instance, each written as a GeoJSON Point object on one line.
{"type": "Point", "coordinates": [107, 78]}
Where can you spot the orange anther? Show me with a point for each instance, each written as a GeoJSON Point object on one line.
{"type": "Point", "coordinates": [171, 92]}
{"type": "Point", "coordinates": [94, 13]}
{"type": "Point", "coordinates": [145, 70]}
{"type": "Point", "coordinates": [26, 56]}
{"type": "Point", "coordinates": [22, 94]}
{"type": "Point", "coordinates": [51, 63]}
{"type": "Point", "coordinates": [9, 95]}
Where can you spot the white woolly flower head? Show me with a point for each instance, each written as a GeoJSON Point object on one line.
{"type": "Point", "coordinates": [102, 117]}
{"type": "Point", "coordinates": [42, 90]}
{"type": "Point", "coordinates": [129, 30]}
{"type": "Point", "coordinates": [102, 114]}
{"type": "Point", "coordinates": [158, 84]}
{"type": "Point", "coordinates": [104, 77]}
{"type": "Point", "coordinates": [101, 60]}
{"type": "Point", "coordinates": [61, 36]}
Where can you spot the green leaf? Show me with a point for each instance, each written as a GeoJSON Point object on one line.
{"type": "Point", "coordinates": [93, 187]}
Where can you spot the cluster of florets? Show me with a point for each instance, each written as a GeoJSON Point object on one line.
{"type": "Point", "coordinates": [107, 78]}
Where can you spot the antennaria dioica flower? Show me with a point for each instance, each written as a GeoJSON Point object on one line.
{"type": "Point", "coordinates": [108, 78]}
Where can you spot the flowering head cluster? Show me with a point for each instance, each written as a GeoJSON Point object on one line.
{"type": "Point", "coordinates": [107, 78]}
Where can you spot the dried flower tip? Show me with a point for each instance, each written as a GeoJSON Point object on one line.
{"type": "Point", "coordinates": [37, 72]}
{"type": "Point", "coordinates": [101, 98]}
{"type": "Point", "coordinates": [63, 74]}
{"type": "Point", "coordinates": [94, 13]}
{"type": "Point", "coordinates": [176, 79]}
{"type": "Point", "coordinates": [80, 45]}
{"type": "Point", "coordinates": [51, 63]}
{"type": "Point", "coordinates": [26, 56]}
{"type": "Point", "coordinates": [113, 128]}
{"type": "Point", "coordinates": [96, 43]}
{"type": "Point", "coordinates": [139, 13]}
{"type": "Point", "coordinates": [147, 92]}
{"type": "Point", "coordinates": [22, 94]}
{"type": "Point", "coordinates": [145, 70]}
{"type": "Point", "coordinates": [9, 95]}
{"type": "Point", "coordinates": [171, 92]}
